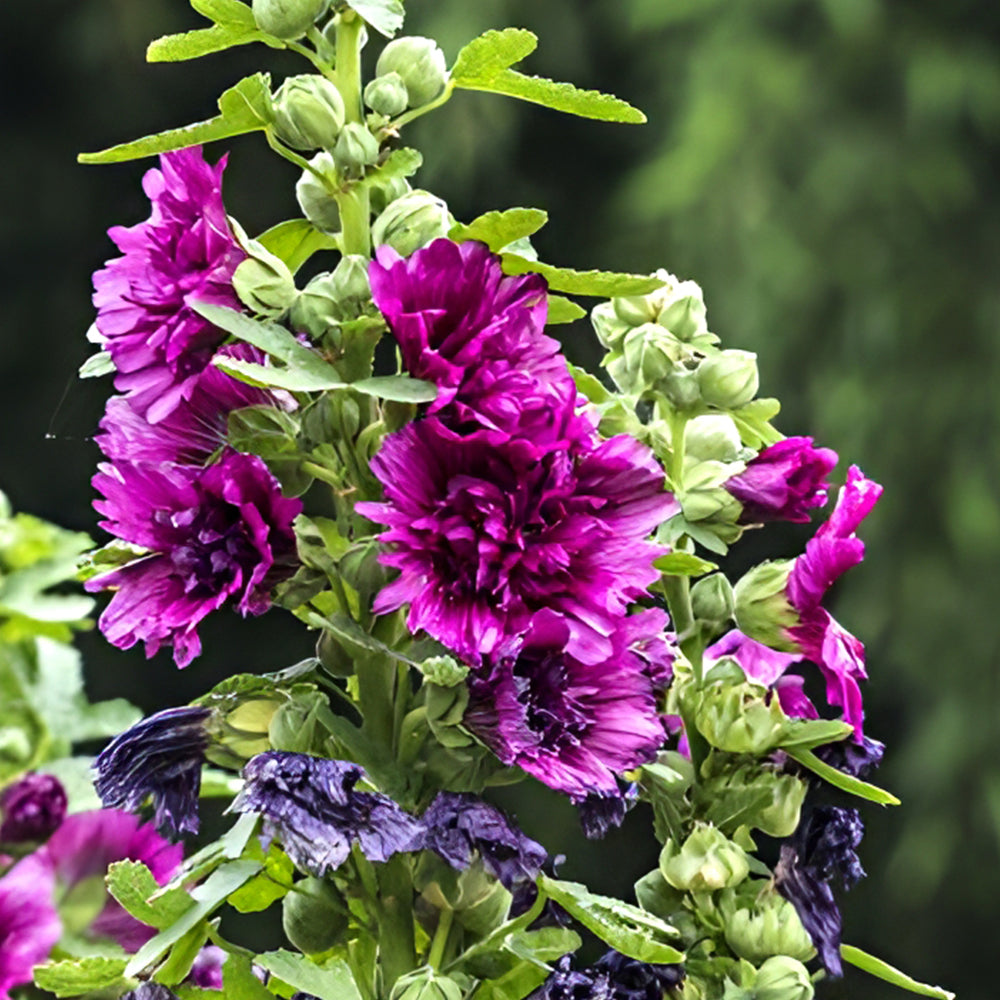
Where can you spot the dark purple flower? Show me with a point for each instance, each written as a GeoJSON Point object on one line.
{"type": "Point", "coordinates": [601, 813]}
{"type": "Point", "coordinates": [612, 977]}
{"type": "Point", "coordinates": [160, 757]}
{"type": "Point", "coordinates": [214, 534]}
{"type": "Point", "coordinates": [311, 806]}
{"type": "Point", "coordinates": [184, 253]}
{"type": "Point", "coordinates": [31, 808]}
{"type": "Point", "coordinates": [486, 532]}
{"type": "Point", "coordinates": [574, 725]}
{"type": "Point", "coordinates": [459, 825]}
{"type": "Point", "coordinates": [150, 991]}
{"type": "Point", "coordinates": [783, 482]}
{"type": "Point", "coordinates": [29, 923]}
{"type": "Point", "coordinates": [855, 759]}
{"type": "Point", "coordinates": [206, 971]}
{"type": "Point", "coordinates": [822, 849]}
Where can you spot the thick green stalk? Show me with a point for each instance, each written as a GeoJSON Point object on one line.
{"type": "Point", "coordinates": [437, 952]}
{"type": "Point", "coordinates": [397, 949]}
{"type": "Point", "coordinates": [353, 203]}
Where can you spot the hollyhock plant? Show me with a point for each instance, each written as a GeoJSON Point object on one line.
{"type": "Point", "coordinates": [216, 534]}
{"type": "Point", "coordinates": [29, 923]}
{"type": "Point", "coordinates": [160, 757]}
{"type": "Point", "coordinates": [184, 253]}
{"type": "Point", "coordinates": [31, 808]}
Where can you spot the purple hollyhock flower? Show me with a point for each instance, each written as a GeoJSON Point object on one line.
{"type": "Point", "coordinates": [822, 849]}
{"type": "Point", "coordinates": [184, 253]}
{"type": "Point", "coordinates": [783, 482]}
{"type": "Point", "coordinates": [311, 806]}
{"type": "Point", "coordinates": [600, 814]}
{"type": "Point", "coordinates": [88, 842]}
{"type": "Point", "coordinates": [855, 759]}
{"type": "Point", "coordinates": [160, 757]}
{"type": "Point", "coordinates": [29, 923]}
{"type": "Point", "coordinates": [486, 532]}
{"type": "Point", "coordinates": [760, 663]}
{"type": "Point", "coordinates": [612, 977]}
{"type": "Point", "coordinates": [573, 724]}
{"type": "Point", "coordinates": [214, 534]}
{"type": "Point", "coordinates": [150, 991]}
{"type": "Point", "coordinates": [458, 826]}
{"type": "Point", "coordinates": [206, 971]}
{"type": "Point", "coordinates": [32, 808]}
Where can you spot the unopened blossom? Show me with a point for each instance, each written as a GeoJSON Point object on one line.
{"type": "Point", "coordinates": [214, 535]}
{"type": "Point", "coordinates": [160, 758]}
{"type": "Point", "coordinates": [311, 805]}
{"type": "Point", "coordinates": [31, 808]}
{"type": "Point", "coordinates": [783, 482]}
{"type": "Point", "coordinates": [29, 923]}
{"type": "Point", "coordinates": [184, 253]}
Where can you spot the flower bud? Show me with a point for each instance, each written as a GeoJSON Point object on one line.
{"type": "Point", "coordinates": [31, 808]}
{"type": "Point", "coordinates": [384, 192]}
{"type": "Point", "coordinates": [729, 379]}
{"type": "Point", "coordinates": [264, 284]}
{"type": "Point", "coordinates": [238, 728]}
{"type": "Point", "coordinates": [713, 437]}
{"type": "Point", "coordinates": [783, 978]}
{"type": "Point", "coordinates": [443, 671]}
{"type": "Point", "coordinates": [736, 718]}
{"type": "Point", "coordinates": [712, 601]}
{"type": "Point", "coordinates": [761, 607]}
{"type": "Point", "coordinates": [387, 95]}
{"type": "Point", "coordinates": [764, 926]}
{"type": "Point", "coordinates": [445, 710]}
{"type": "Point", "coordinates": [425, 984]}
{"type": "Point", "coordinates": [648, 353]}
{"type": "Point", "coordinates": [412, 222]}
{"type": "Point", "coordinates": [681, 388]}
{"type": "Point", "coordinates": [308, 112]}
{"type": "Point", "coordinates": [294, 726]}
{"type": "Point", "coordinates": [355, 149]}
{"type": "Point", "coordinates": [315, 200]}
{"type": "Point", "coordinates": [681, 310]}
{"type": "Point", "coordinates": [608, 326]}
{"type": "Point", "coordinates": [287, 19]}
{"type": "Point", "coordinates": [421, 65]}
{"type": "Point", "coordinates": [781, 817]}
{"type": "Point", "coordinates": [334, 657]}
{"type": "Point", "coordinates": [313, 915]}
{"type": "Point", "coordinates": [706, 861]}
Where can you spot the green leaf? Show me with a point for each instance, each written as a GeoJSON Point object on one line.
{"type": "Point", "coordinates": [604, 284]}
{"type": "Point", "coordinates": [491, 53]}
{"type": "Point", "coordinates": [883, 970]}
{"type": "Point", "coordinates": [133, 885]}
{"type": "Point", "coordinates": [563, 310]}
{"type": "Point", "coordinates": [808, 733]}
{"type": "Point", "coordinates": [385, 16]}
{"type": "Point", "coordinates": [245, 108]}
{"type": "Point", "coordinates": [201, 42]}
{"type": "Point", "coordinates": [330, 982]}
{"type": "Point", "coordinates": [398, 164]}
{"type": "Point", "coordinates": [855, 786]}
{"type": "Point", "coordinates": [683, 564]}
{"type": "Point", "coordinates": [267, 887]}
{"type": "Point", "coordinates": [628, 929]}
{"type": "Point", "coordinates": [544, 945]}
{"type": "Point", "coordinates": [239, 982]}
{"type": "Point", "coordinates": [97, 365]}
{"type": "Point", "coordinates": [295, 241]}
{"type": "Point", "coordinates": [513, 985]}
{"type": "Point", "coordinates": [230, 12]}
{"type": "Point", "coordinates": [79, 976]}
{"type": "Point", "coordinates": [753, 421]}
{"type": "Point", "coordinates": [499, 229]}
{"type": "Point", "coordinates": [398, 388]}
{"type": "Point", "coordinates": [178, 963]}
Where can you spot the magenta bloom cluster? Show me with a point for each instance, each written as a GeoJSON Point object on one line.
{"type": "Point", "coordinates": [213, 522]}
{"type": "Point", "coordinates": [520, 536]}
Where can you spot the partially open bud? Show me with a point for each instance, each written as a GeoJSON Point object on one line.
{"type": "Point", "coordinates": [608, 325]}
{"type": "Point", "coordinates": [712, 601]}
{"type": "Point", "coordinates": [287, 19]}
{"type": "Point", "coordinates": [313, 915]}
{"type": "Point", "coordinates": [264, 284]}
{"type": "Point", "coordinates": [308, 112]}
{"type": "Point", "coordinates": [411, 222]}
{"type": "Point", "coordinates": [31, 808]}
{"type": "Point", "coordinates": [781, 817]}
{"type": "Point", "coordinates": [443, 671]}
{"type": "Point", "coordinates": [706, 861]}
{"type": "Point", "coordinates": [736, 718]}
{"type": "Point", "coordinates": [761, 607]}
{"type": "Point", "coordinates": [783, 978]}
{"type": "Point", "coordinates": [384, 191]}
{"type": "Point", "coordinates": [764, 926]}
{"type": "Point", "coordinates": [387, 95]}
{"type": "Point", "coordinates": [713, 436]}
{"type": "Point", "coordinates": [240, 732]}
{"type": "Point", "coordinates": [648, 353]}
{"type": "Point", "coordinates": [426, 984]}
{"type": "Point", "coordinates": [729, 379]}
{"type": "Point", "coordinates": [355, 149]}
{"type": "Point", "coordinates": [421, 65]}
{"type": "Point", "coordinates": [317, 203]}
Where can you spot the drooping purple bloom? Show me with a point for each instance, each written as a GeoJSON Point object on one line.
{"type": "Point", "coordinates": [760, 663]}
{"type": "Point", "coordinates": [459, 825]}
{"type": "Point", "coordinates": [574, 725]}
{"type": "Point", "coordinates": [206, 971]}
{"type": "Point", "coordinates": [783, 482]}
{"type": "Point", "coordinates": [855, 759]}
{"type": "Point", "coordinates": [823, 849]}
{"type": "Point", "coordinates": [184, 253]}
{"type": "Point", "coordinates": [310, 804]}
{"type": "Point", "coordinates": [486, 532]}
{"type": "Point", "coordinates": [612, 977]}
{"type": "Point", "coordinates": [29, 923]}
{"type": "Point", "coordinates": [31, 808]}
{"type": "Point", "coordinates": [599, 814]}
{"type": "Point", "coordinates": [215, 534]}
{"type": "Point", "coordinates": [160, 757]}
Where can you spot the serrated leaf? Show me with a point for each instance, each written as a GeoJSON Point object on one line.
{"type": "Point", "coordinates": [606, 284]}
{"type": "Point", "coordinates": [97, 365]}
{"type": "Point", "coordinates": [231, 12]}
{"type": "Point", "coordinates": [499, 229]}
{"type": "Point", "coordinates": [201, 42]}
{"type": "Point", "coordinates": [295, 241]}
{"type": "Point", "coordinates": [398, 388]}
{"type": "Point", "coordinates": [883, 970]}
{"type": "Point", "coordinates": [683, 564]}
{"type": "Point", "coordinates": [385, 16]}
{"type": "Point", "coordinates": [491, 53]}
{"type": "Point", "coordinates": [562, 310]}
{"type": "Point", "coordinates": [846, 783]}
{"type": "Point", "coordinates": [513, 985]}
{"type": "Point", "coordinates": [400, 163]}
{"type": "Point", "coordinates": [79, 976]}
{"type": "Point", "coordinates": [626, 928]}
{"type": "Point", "coordinates": [267, 887]}
{"type": "Point", "coordinates": [332, 981]}
{"type": "Point", "coordinates": [133, 885]}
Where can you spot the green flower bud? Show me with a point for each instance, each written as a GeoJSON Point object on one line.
{"type": "Point", "coordinates": [287, 19]}
{"type": "Point", "coordinates": [608, 326]}
{"type": "Point", "coordinates": [445, 710]}
{"type": "Point", "coordinates": [712, 601]}
{"type": "Point", "coordinates": [316, 202]}
{"type": "Point", "coordinates": [713, 436]}
{"type": "Point", "coordinates": [781, 817]}
{"type": "Point", "coordinates": [681, 388]}
{"type": "Point", "coordinates": [412, 222]}
{"type": "Point", "coordinates": [313, 915]}
{"type": "Point", "coordinates": [308, 112]}
{"type": "Point", "coordinates": [761, 608]}
{"type": "Point", "coordinates": [355, 149]}
{"type": "Point", "coordinates": [783, 978]}
{"type": "Point", "coordinates": [316, 307]}
{"type": "Point", "coordinates": [425, 984]}
{"type": "Point", "coordinates": [384, 192]}
{"type": "Point", "coordinates": [294, 726]}
{"type": "Point", "coordinates": [421, 65]}
{"type": "Point", "coordinates": [264, 284]}
{"type": "Point", "coordinates": [681, 309]}
{"type": "Point", "coordinates": [648, 353]}
{"type": "Point", "coordinates": [443, 671]}
{"type": "Point", "coordinates": [706, 861]}
{"type": "Point", "coordinates": [241, 731]}
{"type": "Point", "coordinates": [729, 379]}
{"type": "Point", "coordinates": [763, 926]}
{"type": "Point", "coordinates": [386, 95]}
{"type": "Point", "coordinates": [736, 718]}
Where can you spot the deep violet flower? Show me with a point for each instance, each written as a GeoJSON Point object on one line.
{"type": "Point", "coordinates": [783, 482]}
{"type": "Point", "coordinates": [572, 724]}
{"type": "Point", "coordinates": [206, 971]}
{"type": "Point", "coordinates": [29, 923]}
{"type": "Point", "coordinates": [214, 534]}
{"type": "Point", "coordinates": [486, 532]}
{"type": "Point", "coordinates": [612, 977]}
{"type": "Point", "coordinates": [855, 759]}
{"type": "Point", "coordinates": [160, 757]}
{"type": "Point", "coordinates": [822, 849]}
{"type": "Point", "coordinates": [310, 804]}
{"type": "Point", "coordinates": [600, 814]}
{"type": "Point", "coordinates": [459, 825]}
{"type": "Point", "coordinates": [31, 808]}
{"type": "Point", "coordinates": [185, 252]}
{"type": "Point", "coordinates": [150, 991]}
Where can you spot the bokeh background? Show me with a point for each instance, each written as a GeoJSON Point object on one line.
{"type": "Point", "coordinates": [826, 169]}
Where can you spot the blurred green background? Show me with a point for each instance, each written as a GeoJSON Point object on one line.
{"type": "Point", "coordinates": [826, 169]}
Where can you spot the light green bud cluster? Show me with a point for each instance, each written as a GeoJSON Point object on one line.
{"type": "Point", "coordinates": [355, 149]}
{"type": "Point", "coordinates": [761, 608]}
{"type": "Point", "coordinates": [707, 860]}
{"type": "Point", "coordinates": [760, 923]}
{"type": "Point", "coordinates": [728, 379]}
{"type": "Point", "coordinates": [783, 978]}
{"type": "Point", "coordinates": [387, 95]}
{"type": "Point", "coordinates": [712, 602]}
{"type": "Point", "coordinates": [264, 283]}
{"type": "Point", "coordinates": [314, 915]}
{"type": "Point", "coordinates": [314, 197]}
{"type": "Point", "coordinates": [333, 297]}
{"type": "Point", "coordinates": [443, 671]}
{"type": "Point", "coordinates": [308, 112]}
{"type": "Point", "coordinates": [420, 65]}
{"type": "Point", "coordinates": [737, 718]}
{"type": "Point", "coordinates": [287, 19]}
{"type": "Point", "coordinates": [411, 222]}
{"type": "Point", "coordinates": [425, 984]}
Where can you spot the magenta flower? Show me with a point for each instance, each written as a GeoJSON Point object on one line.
{"type": "Point", "coordinates": [184, 253]}
{"type": "Point", "coordinates": [574, 725]}
{"type": "Point", "coordinates": [29, 923]}
{"type": "Point", "coordinates": [216, 534]}
{"type": "Point", "coordinates": [31, 808]}
{"type": "Point", "coordinates": [783, 482]}
{"type": "Point", "coordinates": [486, 532]}
{"type": "Point", "coordinates": [760, 663]}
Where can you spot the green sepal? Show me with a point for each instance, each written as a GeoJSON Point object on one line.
{"type": "Point", "coordinates": [753, 421]}
{"type": "Point", "coordinates": [295, 241]}
{"type": "Point", "coordinates": [133, 885]}
{"type": "Point", "coordinates": [883, 970]}
{"type": "Point", "coordinates": [331, 981]}
{"type": "Point", "coordinates": [854, 786]}
{"type": "Point", "coordinates": [399, 164]}
{"type": "Point", "coordinates": [81, 976]}
{"type": "Point", "coordinates": [804, 734]}
{"type": "Point", "coordinates": [499, 229]}
{"type": "Point", "coordinates": [683, 564]}
{"type": "Point", "coordinates": [604, 284]}
{"type": "Point", "coordinates": [97, 365]}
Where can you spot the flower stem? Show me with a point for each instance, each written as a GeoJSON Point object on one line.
{"type": "Point", "coordinates": [353, 203]}
{"type": "Point", "coordinates": [397, 948]}
{"type": "Point", "coordinates": [436, 954]}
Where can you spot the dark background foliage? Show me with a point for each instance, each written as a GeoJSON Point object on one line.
{"type": "Point", "coordinates": [824, 168]}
